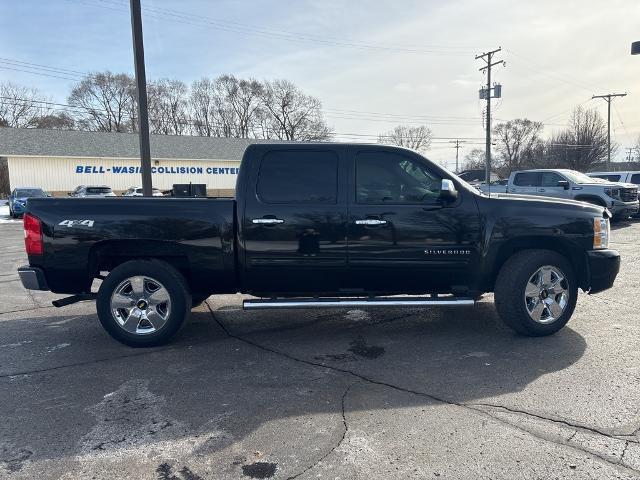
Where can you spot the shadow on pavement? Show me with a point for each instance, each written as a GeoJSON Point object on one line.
{"type": "Point", "coordinates": [232, 373]}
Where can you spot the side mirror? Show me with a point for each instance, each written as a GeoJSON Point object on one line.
{"type": "Point", "coordinates": [564, 184]}
{"type": "Point", "coordinates": [448, 191]}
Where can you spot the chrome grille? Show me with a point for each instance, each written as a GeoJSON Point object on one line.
{"type": "Point", "coordinates": [628, 194]}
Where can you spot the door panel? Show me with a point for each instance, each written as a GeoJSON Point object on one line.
{"type": "Point", "coordinates": [402, 237]}
{"type": "Point", "coordinates": [294, 223]}
{"type": "Point", "coordinates": [549, 185]}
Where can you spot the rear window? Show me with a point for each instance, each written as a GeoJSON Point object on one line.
{"type": "Point", "coordinates": [98, 190]}
{"type": "Point", "coordinates": [29, 193]}
{"type": "Point", "coordinates": [528, 179]}
{"type": "Point", "coordinates": [297, 176]}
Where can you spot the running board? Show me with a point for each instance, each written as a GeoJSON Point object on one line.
{"type": "Point", "coordinates": [285, 303]}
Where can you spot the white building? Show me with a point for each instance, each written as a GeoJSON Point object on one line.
{"type": "Point", "coordinates": [59, 160]}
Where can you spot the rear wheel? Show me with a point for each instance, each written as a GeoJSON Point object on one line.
{"type": "Point", "coordinates": [143, 303]}
{"type": "Point", "coordinates": [536, 292]}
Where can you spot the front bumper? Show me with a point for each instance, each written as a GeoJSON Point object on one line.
{"type": "Point", "coordinates": [18, 208]}
{"type": "Point", "coordinates": [33, 278]}
{"type": "Point", "coordinates": [604, 266]}
{"type": "Point", "coordinates": [624, 209]}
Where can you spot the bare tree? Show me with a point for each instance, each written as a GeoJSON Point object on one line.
{"type": "Point", "coordinates": [168, 102]}
{"type": "Point", "coordinates": [289, 114]}
{"type": "Point", "coordinates": [20, 106]}
{"type": "Point", "coordinates": [56, 121]}
{"type": "Point", "coordinates": [4, 177]}
{"type": "Point", "coordinates": [213, 116]}
{"type": "Point", "coordinates": [108, 100]}
{"type": "Point", "coordinates": [416, 138]}
{"type": "Point", "coordinates": [636, 150]}
{"type": "Point", "coordinates": [242, 99]}
{"type": "Point", "coordinates": [582, 145]}
{"type": "Point", "coordinates": [518, 144]}
{"type": "Point", "coordinates": [474, 160]}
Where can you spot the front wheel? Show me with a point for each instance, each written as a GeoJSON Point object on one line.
{"type": "Point", "coordinates": [536, 292]}
{"type": "Point", "coordinates": [143, 303]}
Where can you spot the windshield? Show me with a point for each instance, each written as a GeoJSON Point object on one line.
{"type": "Point", "coordinates": [578, 177]}
{"type": "Point", "coordinates": [29, 193]}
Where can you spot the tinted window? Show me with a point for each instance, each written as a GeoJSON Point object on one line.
{"type": "Point", "coordinates": [389, 178]}
{"type": "Point", "coordinates": [551, 179]}
{"type": "Point", "coordinates": [29, 192]}
{"type": "Point", "coordinates": [528, 179]}
{"type": "Point", "coordinates": [298, 177]}
{"type": "Point", "coordinates": [635, 178]}
{"type": "Point", "coordinates": [98, 190]}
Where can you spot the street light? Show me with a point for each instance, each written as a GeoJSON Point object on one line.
{"type": "Point", "coordinates": [635, 48]}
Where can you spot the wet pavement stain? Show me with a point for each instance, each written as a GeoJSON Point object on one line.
{"type": "Point", "coordinates": [260, 470]}
{"type": "Point", "coordinates": [359, 347]}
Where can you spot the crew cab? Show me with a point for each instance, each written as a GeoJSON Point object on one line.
{"type": "Point", "coordinates": [320, 225]}
{"type": "Point", "coordinates": [620, 198]}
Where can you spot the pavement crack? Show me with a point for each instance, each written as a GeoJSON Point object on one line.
{"type": "Point", "coordinates": [345, 429]}
{"type": "Point", "coordinates": [476, 408]}
{"type": "Point", "coordinates": [546, 418]}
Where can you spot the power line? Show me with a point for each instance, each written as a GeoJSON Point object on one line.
{"type": "Point", "coordinates": [236, 27]}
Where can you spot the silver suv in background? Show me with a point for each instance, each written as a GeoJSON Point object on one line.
{"type": "Point", "coordinates": [620, 198]}
{"type": "Point", "coordinates": [624, 177]}
{"type": "Point", "coordinates": [92, 191]}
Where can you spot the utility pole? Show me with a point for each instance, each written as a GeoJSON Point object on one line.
{"type": "Point", "coordinates": [485, 93]}
{"type": "Point", "coordinates": [141, 88]}
{"type": "Point", "coordinates": [608, 98]}
{"type": "Point", "coordinates": [629, 153]}
{"type": "Point", "coordinates": [457, 146]}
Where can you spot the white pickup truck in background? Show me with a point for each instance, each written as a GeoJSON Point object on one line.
{"type": "Point", "coordinates": [620, 198]}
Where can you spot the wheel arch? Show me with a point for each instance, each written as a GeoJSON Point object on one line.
{"type": "Point", "coordinates": [564, 247]}
{"type": "Point", "coordinates": [106, 255]}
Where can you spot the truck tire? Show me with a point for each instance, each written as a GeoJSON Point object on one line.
{"type": "Point", "coordinates": [143, 303]}
{"type": "Point", "coordinates": [536, 292]}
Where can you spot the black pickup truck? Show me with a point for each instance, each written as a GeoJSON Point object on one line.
{"type": "Point", "coordinates": [320, 225]}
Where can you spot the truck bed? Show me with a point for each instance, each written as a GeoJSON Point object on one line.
{"type": "Point", "coordinates": [84, 236]}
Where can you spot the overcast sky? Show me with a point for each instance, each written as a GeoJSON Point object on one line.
{"type": "Point", "coordinates": [406, 61]}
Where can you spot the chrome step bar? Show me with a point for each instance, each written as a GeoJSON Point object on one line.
{"type": "Point", "coordinates": [285, 303]}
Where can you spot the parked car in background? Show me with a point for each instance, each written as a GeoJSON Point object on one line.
{"type": "Point", "coordinates": [624, 177]}
{"type": "Point", "coordinates": [18, 199]}
{"type": "Point", "coordinates": [620, 198]}
{"type": "Point", "coordinates": [137, 192]}
{"type": "Point", "coordinates": [477, 176]}
{"type": "Point", "coordinates": [92, 191]}
{"type": "Point", "coordinates": [497, 186]}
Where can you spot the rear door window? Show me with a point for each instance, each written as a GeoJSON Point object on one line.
{"type": "Point", "coordinates": [298, 176]}
{"type": "Point", "coordinates": [635, 178]}
{"type": "Point", "coordinates": [528, 179]}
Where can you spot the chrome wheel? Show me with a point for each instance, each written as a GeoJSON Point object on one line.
{"type": "Point", "coordinates": [140, 305]}
{"type": "Point", "coordinates": [546, 295]}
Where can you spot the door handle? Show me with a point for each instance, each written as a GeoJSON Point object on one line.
{"type": "Point", "coordinates": [371, 221]}
{"type": "Point", "coordinates": [267, 221]}
{"type": "Point", "coordinates": [541, 190]}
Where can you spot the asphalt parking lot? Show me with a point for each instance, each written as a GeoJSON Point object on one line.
{"type": "Point", "coordinates": [395, 393]}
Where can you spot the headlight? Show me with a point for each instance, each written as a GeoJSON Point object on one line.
{"type": "Point", "coordinates": [613, 192]}
{"type": "Point", "coordinates": [601, 233]}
